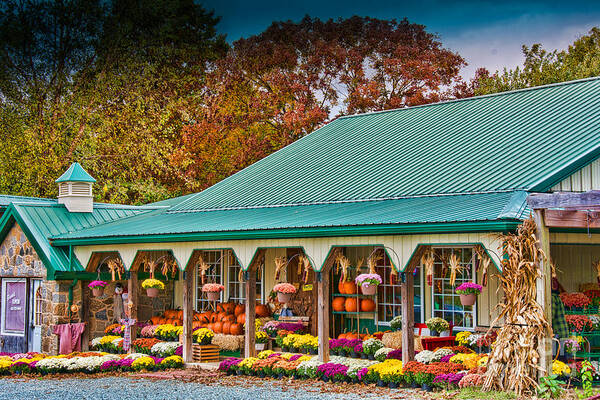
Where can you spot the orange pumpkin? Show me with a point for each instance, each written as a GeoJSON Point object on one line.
{"type": "Point", "coordinates": [229, 308]}
{"type": "Point", "coordinates": [196, 324]}
{"type": "Point", "coordinates": [155, 320]}
{"type": "Point", "coordinates": [367, 305]}
{"type": "Point", "coordinates": [229, 318]}
{"type": "Point", "coordinates": [341, 288]}
{"type": "Point", "coordinates": [350, 287]}
{"type": "Point", "coordinates": [262, 311]}
{"type": "Point", "coordinates": [350, 304]}
{"type": "Point", "coordinates": [239, 309]}
{"type": "Point", "coordinates": [218, 327]}
{"type": "Point", "coordinates": [241, 319]}
{"type": "Point", "coordinates": [342, 336]}
{"type": "Point", "coordinates": [220, 308]}
{"type": "Point", "coordinates": [338, 303]}
{"type": "Point", "coordinates": [351, 336]}
{"type": "Point", "coordinates": [236, 329]}
{"type": "Point", "coordinates": [226, 328]}
{"type": "Point", "coordinates": [180, 314]}
{"type": "Point", "coordinates": [213, 317]}
{"type": "Point", "coordinates": [211, 326]}
{"type": "Point", "coordinates": [220, 316]}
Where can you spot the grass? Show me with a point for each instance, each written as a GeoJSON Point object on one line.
{"type": "Point", "coordinates": [474, 393]}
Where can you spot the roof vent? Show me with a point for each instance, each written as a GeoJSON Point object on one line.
{"type": "Point", "coordinates": [75, 189]}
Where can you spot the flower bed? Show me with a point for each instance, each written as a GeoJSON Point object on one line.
{"type": "Point", "coordinates": [89, 362]}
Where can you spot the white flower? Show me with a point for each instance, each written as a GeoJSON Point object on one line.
{"type": "Point", "coordinates": [441, 353]}
{"type": "Point", "coordinates": [425, 356]}
{"type": "Point", "coordinates": [135, 356]}
{"type": "Point", "coordinates": [163, 349]}
{"type": "Point", "coordinates": [381, 354]}
{"type": "Point", "coordinates": [96, 342]}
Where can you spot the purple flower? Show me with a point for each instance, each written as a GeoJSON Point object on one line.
{"type": "Point", "coordinates": [274, 355]}
{"type": "Point", "coordinates": [179, 351]}
{"type": "Point", "coordinates": [395, 354]}
{"type": "Point", "coordinates": [358, 348]}
{"type": "Point", "coordinates": [331, 370]}
{"type": "Point", "coordinates": [227, 363]}
{"type": "Point", "coordinates": [362, 373]}
{"type": "Point", "coordinates": [290, 326]}
{"type": "Point", "coordinates": [446, 358]}
{"type": "Point", "coordinates": [295, 357]}
{"type": "Point", "coordinates": [109, 365]}
{"type": "Point", "coordinates": [469, 288]}
{"type": "Point", "coordinates": [451, 379]}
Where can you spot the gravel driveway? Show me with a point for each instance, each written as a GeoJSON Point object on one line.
{"type": "Point", "coordinates": [109, 388]}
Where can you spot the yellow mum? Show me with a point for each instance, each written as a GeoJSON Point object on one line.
{"type": "Point", "coordinates": [560, 368]}
{"type": "Point", "coordinates": [468, 360]}
{"type": "Point", "coordinates": [108, 339]}
{"type": "Point", "coordinates": [264, 354]}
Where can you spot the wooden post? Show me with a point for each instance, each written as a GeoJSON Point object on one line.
{"type": "Point", "coordinates": [250, 331]}
{"type": "Point", "coordinates": [323, 307]}
{"type": "Point", "coordinates": [407, 292]}
{"type": "Point", "coordinates": [188, 315]}
{"type": "Point", "coordinates": [132, 290]}
{"type": "Point", "coordinates": [544, 294]}
{"type": "Point", "coordinates": [85, 317]}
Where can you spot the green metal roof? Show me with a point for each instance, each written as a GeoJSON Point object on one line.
{"type": "Point", "coordinates": [521, 140]}
{"type": "Point", "coordinates": [42, 220]}
{"type": "Point", "coordinates": [6, 200]}
{"type": "Point", "coordinates": [306, 220]}
{"type": "Point", "coordinates": [75, 173]}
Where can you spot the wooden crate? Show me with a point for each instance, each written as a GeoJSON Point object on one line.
{"type": "Point", "coordinates": [205, 353]}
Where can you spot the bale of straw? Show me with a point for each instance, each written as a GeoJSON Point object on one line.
{"type": "Point", "coordinates": [514, 361]}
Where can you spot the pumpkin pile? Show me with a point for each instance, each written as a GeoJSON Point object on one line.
{"type": "Point", "coordinates": [362, 336]}
{"type": "Point", "coordinates": [228, 319]}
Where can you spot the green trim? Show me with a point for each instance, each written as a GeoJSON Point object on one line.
{"type": "Point", "coordinates": [363, 230]}
{"type": "Point", "coordinates": [137, 253]}
{"type": "Point", "coordinates": [574, 230]}
{"type": "Point", "coordinates": [457, 244]}
{"type": "Point", "coordinates": [105, 276]}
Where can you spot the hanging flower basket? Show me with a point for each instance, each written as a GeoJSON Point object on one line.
{"type": "Point", "coordinates": [213, 291]}
{"type": "Point", "coordinates": [284, 292]}
{"type": "Point", "coordinates": [468, 292]}
{"type": "Point", "coordinates": [368, 283]}
{"type": "Point", "coordinates": [152, 287]}
{"type": "Point", "coordinates": [97, 288]}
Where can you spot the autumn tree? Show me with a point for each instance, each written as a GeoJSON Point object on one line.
{"type": "Point", "coordinates": [541, 67]}
{"type": "Point", "coordinates": [280, 85]}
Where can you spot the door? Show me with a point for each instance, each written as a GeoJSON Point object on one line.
{"type": "Point", "coordinates": [35, 316]}
{"type": "Point", "coordinates": [13, 324]}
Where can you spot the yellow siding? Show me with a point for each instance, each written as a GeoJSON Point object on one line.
{"type": "Point", "coordinates": [574, 264]}
{"type": "Point", "coordinates": [587, 178]}
{"type": "Point", "coordinates": [489, 298]}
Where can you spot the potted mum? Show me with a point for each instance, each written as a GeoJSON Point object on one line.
{"type": "Point", "coordinates": [284, 291]}
{"type": "Point", "coordinates": [261, 340]}
{"type": "Point", "coordinates": [97, 288]}
{"type": "Point", "coordinates": [368, 283]}
{"type": "Point", "coordinates": [437, 325]}
{"type": "Point", "coordinates": [213, 291]}
{"type": "Point", "coordinates": [468, 292]}
{"type": "Point", "coordinates": [396, 323]}
{"type": "Point", "coordinates": [152, 287]}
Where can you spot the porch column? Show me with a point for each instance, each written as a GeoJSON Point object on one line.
{"type": "Point", "coordinates": [323, 307]}
{"type": "Point", "coordinates": [188, 316]}
{"type": "Point", "coordinates": [543, 289]}
{"type": "Point", "coordinates": [132, 290]}
{"type": "Point", "coordinates": [407, 292]}
{"type": "Point", "coordinates": [250, 285]}
{"type": "Point", "coordinates": [85, 316]}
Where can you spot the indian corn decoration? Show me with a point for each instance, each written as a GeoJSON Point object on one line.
{"type": "Point", "coordinates": [483, 263]}
{"type": "Point", "coordinates": [303, 268]}
{"type": "Point", "coordinates": [116, 268]}
{"type": "Point", "coordinates": [455, 267]}
{"type": "Point", "coordinates": [373, 260]}
{"type": "Point", "coordinates": [203, 268]}
{"type": "Point", "coordinates": [342, 265]}
{"type": "Point", "coordinates": [150, 266]}
{"type": "Point", "coordinates": [427, 260]}
{"type": "Point", "coordinates": [514, 359]}
{"type": "Point", "coordinates": [169, 267]}
{"type": "Point", "coordinates": [280, 262]}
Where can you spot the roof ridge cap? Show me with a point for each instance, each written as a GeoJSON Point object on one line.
{"type": "Point", "coordinates": [507, 92]}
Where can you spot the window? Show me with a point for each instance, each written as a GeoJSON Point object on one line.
{"type": "Point", "coordinates": [214, 274]}
{"type": "Point", "coordinates": [237, 288]}
{"type": "Point", "coordinates": [388, 295]}
{"type": "Point", "coordinates": [446, 303]}
{"type": "Point", "coordinates": [39, 302]}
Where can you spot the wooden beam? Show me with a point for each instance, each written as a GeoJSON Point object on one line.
{"type": "Point", "coordinates": [323, 307]}
{"type": "Point", "coordinates": [132, 290]}
{"type": "Point", "coordinates": [188, 315]}
{"type": "Point", "coordinates": [543, 292]}
{"type": "Point", "coordinates": [407, 292]}
{"type": "Point", "coordinates": [572, 219]}
{"type": "Point", "coordinates": [564, 200]}
{"type": "Point", "coordinates": [85, 317]}
{"type": "Point", "coordinates": [250, 331]}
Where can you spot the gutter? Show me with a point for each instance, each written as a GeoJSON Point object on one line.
{"type": "Point", "coordinates": [336, 231]}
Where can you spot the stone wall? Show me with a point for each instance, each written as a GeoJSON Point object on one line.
{"type": "Point", "coordinates": [101, 311]}
{"type": "Point", "coordinates": [18, 258]}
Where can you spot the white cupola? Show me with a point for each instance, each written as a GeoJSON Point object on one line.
{"type": "Point", "coordinates": [75, 189]}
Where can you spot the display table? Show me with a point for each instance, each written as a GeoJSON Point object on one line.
{"type": "Point", "coordinates": [433, 342]}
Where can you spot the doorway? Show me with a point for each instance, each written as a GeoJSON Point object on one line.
{"type": "Point", "coordinates": [20, 324]}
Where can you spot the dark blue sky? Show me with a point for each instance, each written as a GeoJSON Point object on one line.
{"type": "Point", "coordinates": [486, 33]}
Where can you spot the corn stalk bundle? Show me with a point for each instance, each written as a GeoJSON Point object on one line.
{"type": "Point", "coordinates": [169, 267]}
{"type": "Point", "coordinates": [303, 268]}
{"type": "Point", "coordinates": [373, 260]}
{"type": "Point", "coordinates": [427, 261]}
{"type": "Point", "coordinates": [343, 264]}
{"type": "Point", "coordinates": [280, 262]}
{"type": "Point", "coordinates": [483, 264]}
{"type": "Point", "coordinates": [150, 266]}
{"type": "Point", "coordinates": [203, 267]}
{"type": "Point", "coordinates": [514, 360]}
{"type": "Point", "coordinates": [455, 268]}
{"type": "Point", "coordinates": [116, 268]}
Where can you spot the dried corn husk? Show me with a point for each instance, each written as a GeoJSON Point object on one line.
{"type": "Point", "coordinates": [203, 268]}
{"type": "Point", "coordinates": [373, 260]}
{"type": "Point", "coordinates": [514, 360]}
{"type": "Point", "coordinates": [427, 261]}
{"type": "Point", "coordinates": [116, 268]}
{"type": "Point", "coordinates": [394, 276]}
{"type": "Point", "coordinates": [455, 268]}
{"type": "Point", "coordinates": [343, 265]}
{"type": "Point", "coordinates": [280, 262]}
{"type": "Point", "coordinates": [305, 269]}
{"type": "Point", "coordinates": [597, 266]}
{"type": "Point", "coordinates": [150, 266]}
{"type": "Point", "coordinates": [169, 267]}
